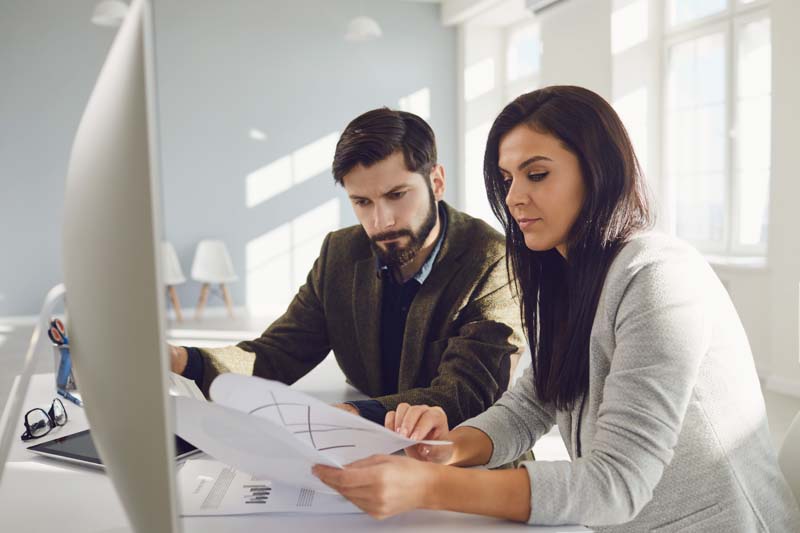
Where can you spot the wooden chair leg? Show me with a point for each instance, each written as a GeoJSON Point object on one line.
{"type": "Point", "coordinates": [202, 302]}
{"type": "Point", "coordinates": [176, 304]}
{"type": "Point", "coordinates": [227, 296]}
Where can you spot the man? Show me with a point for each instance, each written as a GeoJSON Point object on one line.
{"type": "Point", "coordinates": [414, 302]}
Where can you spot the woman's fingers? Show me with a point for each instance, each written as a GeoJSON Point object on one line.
{"type": "Point", "coordinates": [409, 423]}
{"type": "Point", "coordinates": [343, 478]}
{"type": "Point", "coordinates": [399, 415]}
{"type": "Point", "coordinates": [388, 422]}
{"type": "Point", "coordinates": [430, 424]}
{"type": "Point", "coordinates": [439, 454]}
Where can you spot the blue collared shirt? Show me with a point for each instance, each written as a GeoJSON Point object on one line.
{"type": "Point", "coordinates": [425, 270]}
{"type": "Point", "coordinates": [395, 305]}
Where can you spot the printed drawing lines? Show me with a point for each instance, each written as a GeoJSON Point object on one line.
{"type": "Point", "coordinates": [310, 432]}
{"type": "Point", "coordinates": [309, 427]}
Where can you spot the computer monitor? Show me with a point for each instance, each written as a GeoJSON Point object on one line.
{"type": "Point", "coordinates": [114, 296]}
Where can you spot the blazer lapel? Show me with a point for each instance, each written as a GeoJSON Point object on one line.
{"type": "Point", "coordinates": [419, 320]}
{"type": "Point", "coordinates": [367, 291]}
{"type": "Point", "coordinates": [445, 269]}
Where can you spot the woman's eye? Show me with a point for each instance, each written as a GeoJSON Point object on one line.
{"type": "Point", "coordinates": [538, 176]}
{"type": "Point", "coordinates": [397, 195]}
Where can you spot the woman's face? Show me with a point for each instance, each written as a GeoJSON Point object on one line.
{"type": "Point", "coordinates": [545, 187]}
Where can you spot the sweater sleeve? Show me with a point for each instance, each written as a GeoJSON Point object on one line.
{"type": "Point", "coordinates": [515, 422]}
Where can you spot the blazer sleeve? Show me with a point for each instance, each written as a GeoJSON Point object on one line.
{"type": "Point", "coordinates": [475, 365]}
{"type": "Point", "coordinates": [289, 348]}
{"type": "Point", "coordinates": [661, 335]}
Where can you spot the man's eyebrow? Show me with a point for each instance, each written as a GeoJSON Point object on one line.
{"type": "Point", "coordinates": [390, 191]}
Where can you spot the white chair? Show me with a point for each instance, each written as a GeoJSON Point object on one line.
{"type": "Point", "coordinates": [212, 265]}
{"type": "Point", "coordinates": [789, 456]}
{"type": "Point", "coordinates": [173, 275]}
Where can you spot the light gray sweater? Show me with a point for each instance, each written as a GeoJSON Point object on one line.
{"type": "Point", "coordinates": [672, 434]}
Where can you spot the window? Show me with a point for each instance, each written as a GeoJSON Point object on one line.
{"type": "Point", "coordinates": [717, 119]}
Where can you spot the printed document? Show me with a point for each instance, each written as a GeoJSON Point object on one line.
{"type": "Point", "coordinates": [268, 430]}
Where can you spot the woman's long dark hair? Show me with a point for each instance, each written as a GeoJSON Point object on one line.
{"type": "Point", "coordinates": [559, 297]}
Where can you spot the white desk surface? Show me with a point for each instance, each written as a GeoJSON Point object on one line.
{"type": "Point", "coordinates": [43, 495]}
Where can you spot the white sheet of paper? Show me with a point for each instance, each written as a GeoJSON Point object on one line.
{"type": "Point", "coordinates": [266, 429]}
{"type": "Point", "coordinates": [211, 488]}
{"type": "Point", "coordinates": [181, 386]}
{"type": "Point", "coordinates": [249, 443]}
{"type": "Point", "coordinates": [339, 435]}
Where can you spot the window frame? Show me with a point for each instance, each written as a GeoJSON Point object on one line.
{"type": "Point", "coordinates": [729, 22]}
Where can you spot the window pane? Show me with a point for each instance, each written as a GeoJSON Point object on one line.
{"type": "Point", "coordinates": [681, 11]}
{"type": "Point", "coordinates": [753, 132]}
{"type": "Point", "coordinates": [629, 24]}
{"type": "Point", "coordinates": [696, 138]}
{"type": "Point", "coordinates": [523, 53]}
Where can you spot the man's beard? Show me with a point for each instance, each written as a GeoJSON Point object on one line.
{"type": "Point", "coordinates": [395, 255]}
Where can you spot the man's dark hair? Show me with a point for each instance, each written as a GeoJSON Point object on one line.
{"type": "Point", "coordinates": [377, 134]}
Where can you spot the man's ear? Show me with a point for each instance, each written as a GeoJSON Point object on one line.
{"type": "Point", "coordinates": [438, 182]}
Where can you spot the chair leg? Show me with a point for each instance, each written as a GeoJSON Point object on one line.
{"type": "Point", "coordinates": [227, 296]}
{"type": "Point", "coordinates": [176, 304]}
{"type": "Point", "coordinates": [202, 302]}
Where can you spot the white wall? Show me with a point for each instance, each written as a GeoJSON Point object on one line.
{"type": "Point", "coordinates": [223, 69]}
{"type": "Point", "coordinates": [576, 44]}
{"type": "Point", "coordinates": [784, 227]}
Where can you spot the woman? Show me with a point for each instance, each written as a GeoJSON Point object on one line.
{"type": "Point", "coordinates": [638, 356]}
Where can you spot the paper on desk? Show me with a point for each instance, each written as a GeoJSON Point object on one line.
{"type": "Point", "coordinates": [211, 488]}
{"type": "Point", "coordinates": [340, 435]}
{"type": "Point", "coordinates": [248, 443]}
{"type": "Point", "coordinates": [266, 429]}
{"type": "Point", "coordinates": [181, 386]}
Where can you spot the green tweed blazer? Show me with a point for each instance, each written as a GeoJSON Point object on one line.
{"type": "Point", "coordinates": [462, 337]}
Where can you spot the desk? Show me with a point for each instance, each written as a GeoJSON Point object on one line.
{"type": "Point", "coordinates": [48, 496]}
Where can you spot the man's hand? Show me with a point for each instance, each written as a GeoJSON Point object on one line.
{"type": "Point", "coordinates": [178, 357]}
{"type": "Point", "coordinates": [347, 407]}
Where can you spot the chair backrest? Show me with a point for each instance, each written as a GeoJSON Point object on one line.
{"type": "Point", "coordinates": [789, 456]}
{"type": "Point", "coordinates": [173, 273]}
{"type": "Point", "coordinates": [212, 263]}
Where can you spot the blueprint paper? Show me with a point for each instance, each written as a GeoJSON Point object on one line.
{"type": "Point", "coordinates": [341, 436]}
{"type": "Point", "coordinates": [181, 386]}
{"type": "Point", "coordinates": [212, 488]}
{"type": "Point", "coordinates": [268, 430]}
{"type": "Point", "coordinates": [249, 443]}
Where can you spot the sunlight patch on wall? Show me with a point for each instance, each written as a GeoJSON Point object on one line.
{"type": "Point", "coordinates": [279, 261]}
{"type": "Point", "coordinates": [628, 25]}
{"type": "Point", "coordinates": [418, 102]}
{"type": "Point", "coordinates": [479, 79]}
{"type": "Point", "coordinates": [280, 175]}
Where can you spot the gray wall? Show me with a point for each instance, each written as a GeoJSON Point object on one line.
{"type": "Point", "coordinates": [223, 68]}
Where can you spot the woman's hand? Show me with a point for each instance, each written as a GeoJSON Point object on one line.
{"type": "Point", "coordinates": [382, 485]}
{"type": "Point", "coordinates": [422, 422]}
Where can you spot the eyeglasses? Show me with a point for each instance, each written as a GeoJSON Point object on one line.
{"type": "Point", "coordinates": [39, 422]}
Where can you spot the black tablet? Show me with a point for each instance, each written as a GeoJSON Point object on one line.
{"type": "Point", "coordinates": [79, 448]}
